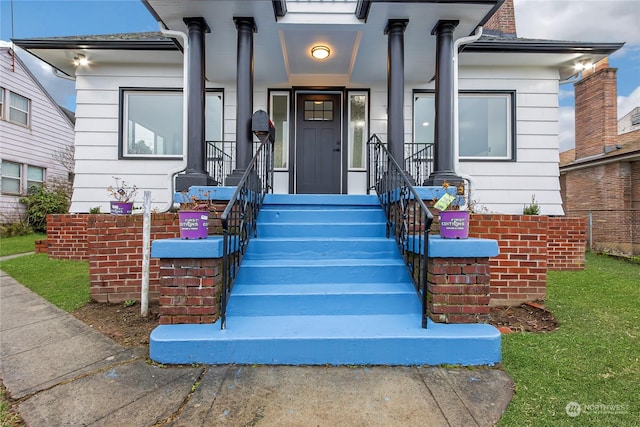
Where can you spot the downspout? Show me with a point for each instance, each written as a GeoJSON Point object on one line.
{"type": "Point", "coordinates": [185, 114]}
{"type": "Point", "coordinates": [456, 122]}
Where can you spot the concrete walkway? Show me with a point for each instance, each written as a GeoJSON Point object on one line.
{"type": "Point", "coordinates": [64, 373]}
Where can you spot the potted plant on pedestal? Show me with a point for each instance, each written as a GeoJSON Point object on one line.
{"type": "Point", "coordinates": [194, 216]}
{"type": "Point", "coordinates": [124, 195]}
{"type": "Point", "coordinates": [454, 218]}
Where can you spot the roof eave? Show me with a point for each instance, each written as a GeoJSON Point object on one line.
{"type": "Point", "coordinates": [154, 45]}
{"type": "Point", "coordinates": [542, 46]}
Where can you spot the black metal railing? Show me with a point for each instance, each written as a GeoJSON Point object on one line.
{"type": "Point", "coordinates": [408, 218]}
{"type": "Point", "coordinates": [240, 215]}
{"type": "Point", "coordinates": [221, 158]}
{"type": "Point", "coordinates": [419, 161]}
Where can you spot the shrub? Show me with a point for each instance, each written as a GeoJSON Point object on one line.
{"type": "Point", "coordinates": [42, 201]}
{"type": "Point", "coordinates": [20, 228]}
{"type": "Point", "coordinates": [533, 208]}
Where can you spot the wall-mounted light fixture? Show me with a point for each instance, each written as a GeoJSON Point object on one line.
{"type": "Point", "coordinates": [320, 52]}
{"type": "Point", "coordinates": [80, 60]}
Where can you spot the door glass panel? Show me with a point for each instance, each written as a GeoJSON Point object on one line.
{"type": "Point", "coordinates": [357, 130]}
{"type": "Point", "coordinates": [280, 119]}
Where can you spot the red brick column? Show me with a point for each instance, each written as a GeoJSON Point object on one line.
{"type": "Point", "coordinates": [190, 290]}
{"type": "Point", "coordinates": [458, 290]}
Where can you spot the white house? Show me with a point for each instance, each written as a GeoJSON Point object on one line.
{"type": "Point", "coordinates": [392, 69]}
{"type": "Point", "coordinates": [32, 129]}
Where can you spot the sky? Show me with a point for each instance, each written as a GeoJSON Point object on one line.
{"type": "Point", "coordinates": [577, 20]}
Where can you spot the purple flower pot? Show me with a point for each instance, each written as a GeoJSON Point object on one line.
{"type": "Point", "coordinates": [121, 208]}
{"type": "Point", "coordinates": [454, 224]}
{"type": "Point", "coordinates": [193, 224]}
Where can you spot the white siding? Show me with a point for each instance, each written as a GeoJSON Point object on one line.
{"type": "Point", "coordinates": [506, 186]}
{"type": "Point", "coordinates": [97, 139]}
{"type": "Point", "coordinates": [500, 186]}
{"type": "Point", "coordinates": [50, 131]}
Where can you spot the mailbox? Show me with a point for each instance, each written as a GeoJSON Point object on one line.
{"type": "Point", "coordinates": [262, 126]}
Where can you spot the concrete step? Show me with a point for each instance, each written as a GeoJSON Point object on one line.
{"type": "Point", "coordinates": [322, 299]}
{"type": "Point", "coordinates": [322, 271]}
{"type": "Point", "coordinates": [394, 339]}
{"type": "Point", "coordinates": [321, 248]}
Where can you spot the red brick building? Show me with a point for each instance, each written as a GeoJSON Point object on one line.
{"type": "Point", "coordinates": [600, 178]}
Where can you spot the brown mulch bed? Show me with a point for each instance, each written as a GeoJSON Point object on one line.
{"type": "Point", "coordinates": [122, 324]}
{"type": "Point", "coordinates": [527, 317]}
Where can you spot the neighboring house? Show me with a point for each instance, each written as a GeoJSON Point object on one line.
{"type": "Point", "coordinates": [33, 128]}
{"type": "Point", "coordinates": [601, 177]}
{"type": "Point", "coordinates": [377, 79]}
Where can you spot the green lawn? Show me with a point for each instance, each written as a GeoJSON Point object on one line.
{"type": "Point", "coordinates": [593, 359]}
{"type": "Point", "coordinates": [63, 283]}
{"type": "Point", "coordinates": [19, 244]}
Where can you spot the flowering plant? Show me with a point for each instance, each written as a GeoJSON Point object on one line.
{"type": "Point", "coordinates": [452, 198]}
{"type": "Point", "coordinates": [121, 191]}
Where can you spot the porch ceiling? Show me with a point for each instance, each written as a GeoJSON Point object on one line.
{"type": "Point", "coordinates": [358, 48]}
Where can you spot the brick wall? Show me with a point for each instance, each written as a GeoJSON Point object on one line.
{"type": "Point", "coordinates": [113, 246]}
{"type": "Point", "coordinates": [115, 260]}
{"type": "Point", "coordinates": [458, 290]}
{"type": "Point", "coordinates": [566, 243]}
{"type": "Point", "coordinates": [504, 20]}
{"type": "Point", "coordinates": [41, 246]}
{"type": "Point", "coordinates": [596, 112]}
{"type": "Point", "coordinates": [519, 272]}
{"type": "Point", "coordinates": [613, 198]}
{"type": "Point", "coordinates": [67, 236]}
{"type": "Point", "coordinates": [190, 290]}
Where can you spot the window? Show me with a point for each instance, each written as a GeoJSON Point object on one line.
{"type": "Point", "coordinates": [19, 109]}
{"type": "Point", "coordinates": [11, 175]}
{"type": "Point", "coordinates": [152, 122]}
{"type": "Point", "coordinates": [358, 131]}
{"type": "Point", "coordinates": [1, 103]}
{"type": "Point", "coordinates": [35, 177]}
{"type": "Point", "coordinates": [280, 117]}
{"type": "Point", "coordinates": [486, 124]}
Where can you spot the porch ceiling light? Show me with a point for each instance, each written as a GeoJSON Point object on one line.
{"type": "Point", "coordinates": [80, 60]}
{"type": "Point", "coordinates": [320, 52]}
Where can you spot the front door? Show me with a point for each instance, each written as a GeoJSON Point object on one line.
{"type": "Point", "coordinates": [318, 143]}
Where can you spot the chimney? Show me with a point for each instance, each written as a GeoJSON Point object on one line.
{"type": "Point", "coordinates": [503, 22]}
{"type": "Point", "coordinates": [596, 110]}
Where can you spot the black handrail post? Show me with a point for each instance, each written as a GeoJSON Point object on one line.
{"type": "Point", "coordinates": [400, 202]}
{"type": "Point", "coordinates": [240, 216]}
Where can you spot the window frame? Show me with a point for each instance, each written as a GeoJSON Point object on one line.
{"type": "Point", "coordinates": [123, 127]}
{"type": "Point", "coordinates": [510, 95]}
{"type": "Point", "coordinates": [10, 107]}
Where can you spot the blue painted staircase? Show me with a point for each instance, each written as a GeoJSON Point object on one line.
{"type": "Point", "coordinates": [321, 284]}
